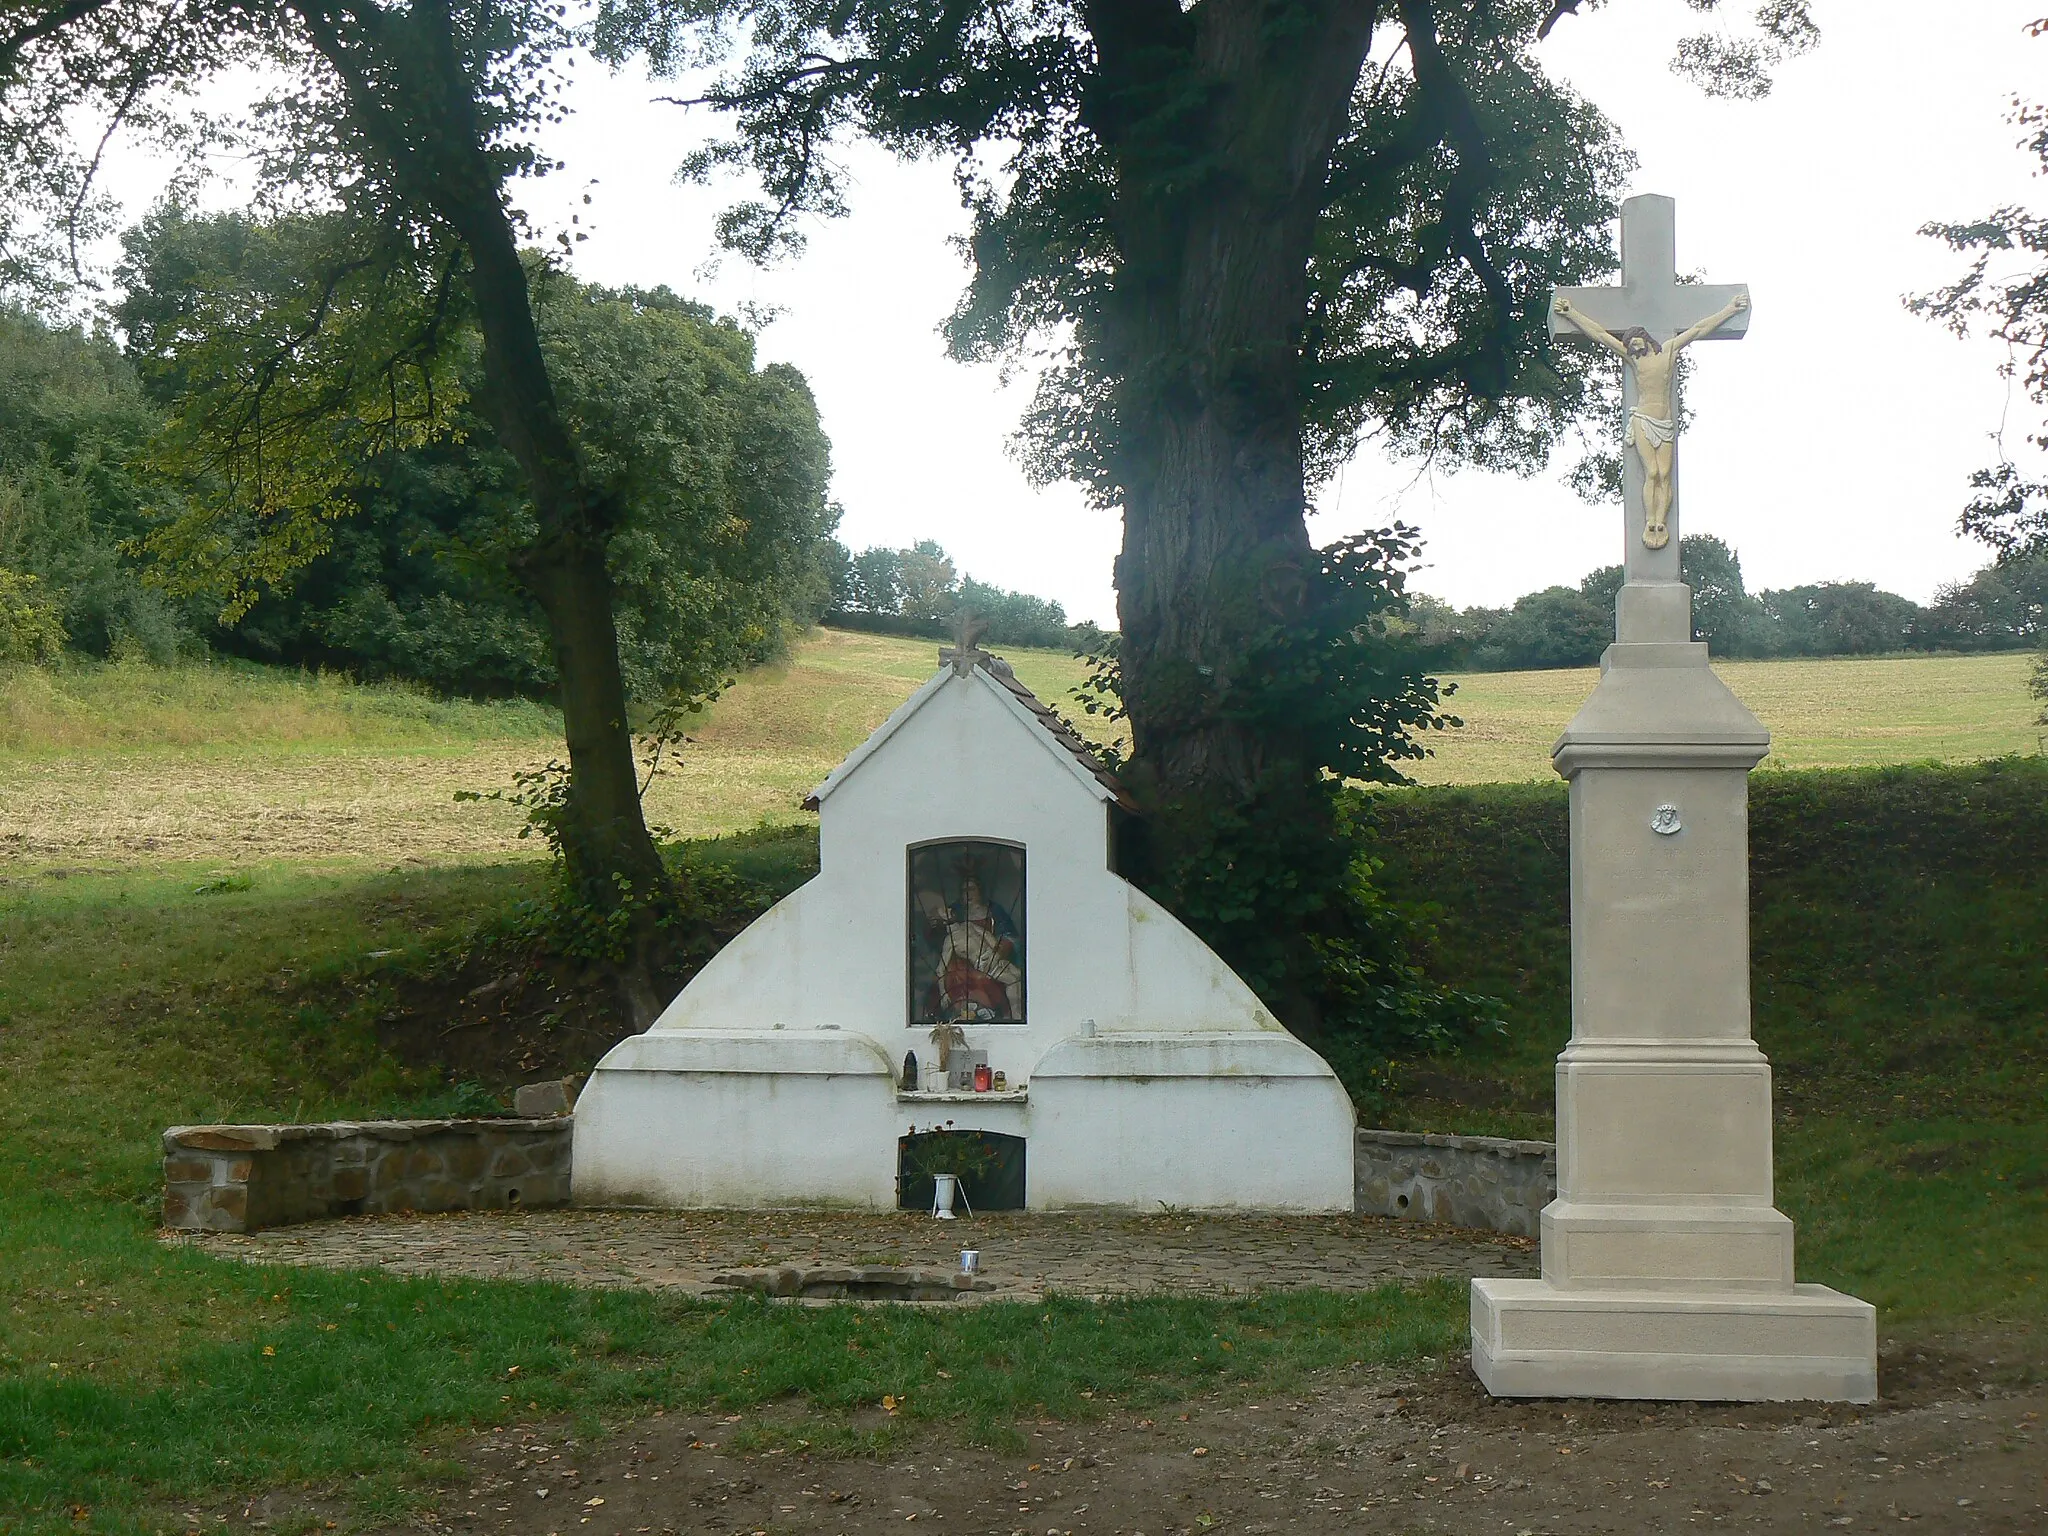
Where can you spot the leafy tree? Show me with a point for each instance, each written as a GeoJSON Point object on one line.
{"type": "Point", "coordinates": [2002, 607]}
{"type": "Point", "coordinates": [72, 492]}
{"type": "Point", "coordinates": [930, 586]}
{"type": "Point", "coordinates": [1723, 613]}
{"type": "Point", "coordinates": [873, 582]}
{"type": "Point", "coordinates": [1841, 618]}
{"type": "Point", "coordinates": [397, 139]}
{"type": "Point", "coordinates": [1018, 618]}
{"type": "Point", "coordinates": [2007, 301]}
{"type": "Point", "coordinates": [1557, 627]}
{"type": "Point", "coordinates": [915, 591]}
{"type": "Point", "coordinates": [30, 628]}
{"type": "Point", "coordinates": [722, 467]}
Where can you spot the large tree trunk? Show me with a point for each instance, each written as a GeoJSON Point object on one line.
{"type": "Point", "coordinates": [417, 108]}
{"type": "Point", "coordinates": [1205, 338]}
{"type": "Point", "coordinates": [1212, 302]}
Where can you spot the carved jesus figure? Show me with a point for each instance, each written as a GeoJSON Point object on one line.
{"type": "Point", "coordinates": [1652, 423]}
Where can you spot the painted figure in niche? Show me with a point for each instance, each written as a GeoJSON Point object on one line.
{"type": "Point", "coordinates": [967, 945]}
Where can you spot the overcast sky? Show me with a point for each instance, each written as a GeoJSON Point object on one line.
{"type": "Point", "coordinates": [1833, 443]}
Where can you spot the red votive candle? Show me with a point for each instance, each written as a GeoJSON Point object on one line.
{"type": "Point", "coordinates": [983, 1078]}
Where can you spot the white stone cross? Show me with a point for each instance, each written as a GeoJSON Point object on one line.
{"type": "Point", "coordinates": [1652, 298]}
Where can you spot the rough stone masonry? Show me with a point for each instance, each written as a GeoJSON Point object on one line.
{"type": "Point", "coordinates": [242, 1178]}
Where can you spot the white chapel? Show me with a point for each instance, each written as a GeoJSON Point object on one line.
{"type": "Point", "coordinates": [966, 915]}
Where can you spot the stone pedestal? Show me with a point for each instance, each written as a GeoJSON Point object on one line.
{"type": "Point", "coordinates": [1667, 1272]}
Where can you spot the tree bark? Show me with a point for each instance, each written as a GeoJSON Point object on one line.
{"type": "Point", "coordinates": [416, 107]}
{"type": "Point", "coordinates": [1211, 303]}
{"type": "Point", "coordinates": [1214, 219]}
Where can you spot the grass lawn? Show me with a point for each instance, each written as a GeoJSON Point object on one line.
{"type": "Point", "coordinates": [1899, 987]}
{"type": "Point", "coordinates": [137, 1379]}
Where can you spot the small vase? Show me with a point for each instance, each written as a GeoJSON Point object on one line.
{"type": "Point", "coordinates": [945, 1190]}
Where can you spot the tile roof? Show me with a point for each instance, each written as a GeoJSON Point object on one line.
{"type": "Point", "coordinates": [1057, 728]}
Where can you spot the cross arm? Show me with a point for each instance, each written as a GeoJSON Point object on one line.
{"type": "Point", "coordinates": [1664, 314]}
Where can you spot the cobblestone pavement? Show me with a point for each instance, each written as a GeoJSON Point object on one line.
{"type": "Point", "coordinates": [1091, 1254]}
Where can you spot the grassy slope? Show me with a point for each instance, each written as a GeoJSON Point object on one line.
{"type": "Point", "coordinates": [1898, 930]}
{"type": "Point", "coordinates": [122, 764]}
{"type": "Point", "coordinates": [218, 765]}
{"type": "Point", "coordinates": [1840, 712]}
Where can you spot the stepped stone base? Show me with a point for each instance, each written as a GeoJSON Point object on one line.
{"type": "Point", "coordinates": [1805, 1344]}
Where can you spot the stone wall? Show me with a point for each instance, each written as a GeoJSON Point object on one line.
{"type": "Point", "coordinates": [1459, 1181]}
{"type": "Point", "coordinates": [239, 1178]}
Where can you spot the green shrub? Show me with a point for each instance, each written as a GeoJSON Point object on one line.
{"type": "Point", "coordinates": [30, 628]}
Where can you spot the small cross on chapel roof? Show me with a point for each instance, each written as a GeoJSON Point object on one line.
{"type": "Point", "coordinates": [965, 651]}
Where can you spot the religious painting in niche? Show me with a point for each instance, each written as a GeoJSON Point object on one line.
{"type": "Point", "coordinates": [967, 933]}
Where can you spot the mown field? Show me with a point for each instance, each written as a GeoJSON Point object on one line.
{"type": "Point", "coordinates": [213, 879]}
{"type": "Point", "coordinates": [223, 765]}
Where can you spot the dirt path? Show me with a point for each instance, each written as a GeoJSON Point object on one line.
{"type": "Point", "coordinates": [1956, 1447]}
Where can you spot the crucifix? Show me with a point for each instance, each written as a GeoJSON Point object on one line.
{"type": "Point", "coordinates": [1647, 322]}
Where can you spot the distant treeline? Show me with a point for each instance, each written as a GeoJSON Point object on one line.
{"type": "Point", "coordinates": [2003, 607]}
{"type": "Point", "coordinates": [917, 591]}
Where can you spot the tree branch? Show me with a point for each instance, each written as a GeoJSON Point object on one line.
{"type": "Point", "coordinates": [1452, 104]}
{"type": "Point", "coordinates": [1558, 11]}
{"type": "Point", "coordinates": [52, 22]}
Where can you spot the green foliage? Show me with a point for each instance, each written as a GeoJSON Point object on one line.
{"type": "Point", "coordinates": [724, 882]}
{"type": "Point", "coordinates": [30, 629]}
{"type": "Point", "coordinates": [941, 1149]}
{"type": "Point", "coordinates": [288, 353]}
{"type": "Point", "coordinates": [404, 569]}
{"type": "Point", "coordinates": [722, 467]}
{"type": "Point", "coordinates": [1280, 880]}
{"type": "Point", "coordinates": [2003, 607]}
{"type": "Point", "coordinates": [1840, 618]}
{"type": "Point", "coordinates": [1557, 627]}
{"type": "Point", "coordinates": [2003, 293]}
{"type": "Point", "coordinates": [74, 494]}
